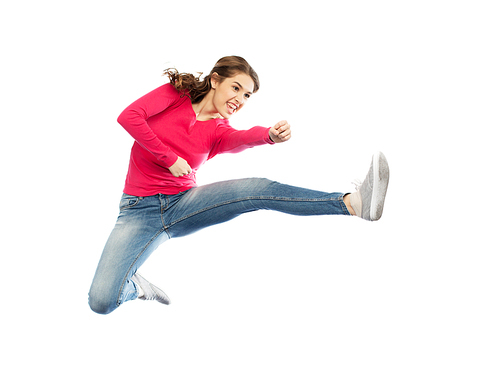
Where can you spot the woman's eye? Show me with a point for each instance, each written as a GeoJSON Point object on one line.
{"type": "Point", "coordinates": [247, 96]}
{"type": "Point", "coordinates": [236, 88]}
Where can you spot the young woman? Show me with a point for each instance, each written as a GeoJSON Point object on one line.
{"type": "Point", "coordinates": [177, 127]}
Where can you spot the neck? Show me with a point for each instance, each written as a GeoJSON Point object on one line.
{"type": "Point", "coordinates": [205, 109]}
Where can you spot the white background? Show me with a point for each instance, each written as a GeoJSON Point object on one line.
{"type": "Point", "coordinates": [266, 298]}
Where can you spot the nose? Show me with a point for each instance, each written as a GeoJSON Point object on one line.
{"type": "Point", "coordinates": [240, 99]}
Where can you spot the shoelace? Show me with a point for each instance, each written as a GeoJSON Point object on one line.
{"type": "Point", "coordinates": [357, 183]}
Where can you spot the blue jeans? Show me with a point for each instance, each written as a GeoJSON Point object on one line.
{"type": "Point", "coordinates": [146, 222]}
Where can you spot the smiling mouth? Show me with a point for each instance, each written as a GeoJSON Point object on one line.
{"type": "Point", "coordinates": [231, 108]}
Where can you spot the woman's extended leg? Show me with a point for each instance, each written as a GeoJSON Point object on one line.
{"type": "Point", "coordinates": [219, 202]}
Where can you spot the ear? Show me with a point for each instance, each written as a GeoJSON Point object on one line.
{"type": "Point", "coordinates": [214, 80]}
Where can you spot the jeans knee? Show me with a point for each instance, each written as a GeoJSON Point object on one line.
{"type": "Point", "coordinates": [101, 305]}
{"type": "Point", "coordinates": [260, 183]}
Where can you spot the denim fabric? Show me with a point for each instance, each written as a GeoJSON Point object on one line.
{"type": "Point", "coordinates": [146, 222]}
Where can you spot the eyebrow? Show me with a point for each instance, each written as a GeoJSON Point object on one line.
{"type": "Point", "coordinates": [241, 86]}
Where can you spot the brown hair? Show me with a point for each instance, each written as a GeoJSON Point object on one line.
{"type": "Point", "coordinates": [197, 89]}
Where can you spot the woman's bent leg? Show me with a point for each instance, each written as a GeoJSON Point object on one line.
{"type": "Point", "coordinates": [219, 202]}
{"type": "Point", "coordinates": [137, 233]}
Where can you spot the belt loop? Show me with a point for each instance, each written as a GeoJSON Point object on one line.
{"type": "Point", "coordinates": [164, 202]}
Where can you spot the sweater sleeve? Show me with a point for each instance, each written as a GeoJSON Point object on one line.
{"type": "Point", "coordinates": [230, 140]}
{"type": "Point", "coordinates": [134, 120]}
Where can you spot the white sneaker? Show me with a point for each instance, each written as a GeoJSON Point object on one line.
{"type": "Point", "coordinates": [373, 190]}
{"type": "Point", "coordinates": [149, 291]}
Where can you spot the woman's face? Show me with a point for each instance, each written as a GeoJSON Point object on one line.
{"type": "Point", "coordinates": [231, 94]}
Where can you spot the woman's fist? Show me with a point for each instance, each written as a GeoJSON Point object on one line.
{"type": "Point", "coordinates": [281, 132]}
{"type": "Point", "coordinates": [180, 168]}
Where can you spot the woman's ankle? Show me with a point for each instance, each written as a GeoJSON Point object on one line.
{"type": "Point", "coordinates": [347, 202]}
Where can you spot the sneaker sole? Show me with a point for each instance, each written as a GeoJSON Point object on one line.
{"type": "Point", "coordinates": [380, 183]}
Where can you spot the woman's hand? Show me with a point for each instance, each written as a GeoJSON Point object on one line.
{"type": "Point", "coordinates": [180, 168]}
{"type": "Point", "coordinates": [281, 132]}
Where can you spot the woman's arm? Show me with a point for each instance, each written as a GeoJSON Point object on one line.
{"type": "Point", "coordinates": [230, 140]}
{"type": "Point", "coordinates": [134, 120]}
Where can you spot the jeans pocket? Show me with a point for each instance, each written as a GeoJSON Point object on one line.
{"type": "Point", "coordinates": [129, 201]}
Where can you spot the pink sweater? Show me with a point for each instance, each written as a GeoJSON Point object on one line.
{"type": "Point", "coordinates": [164, 127]}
